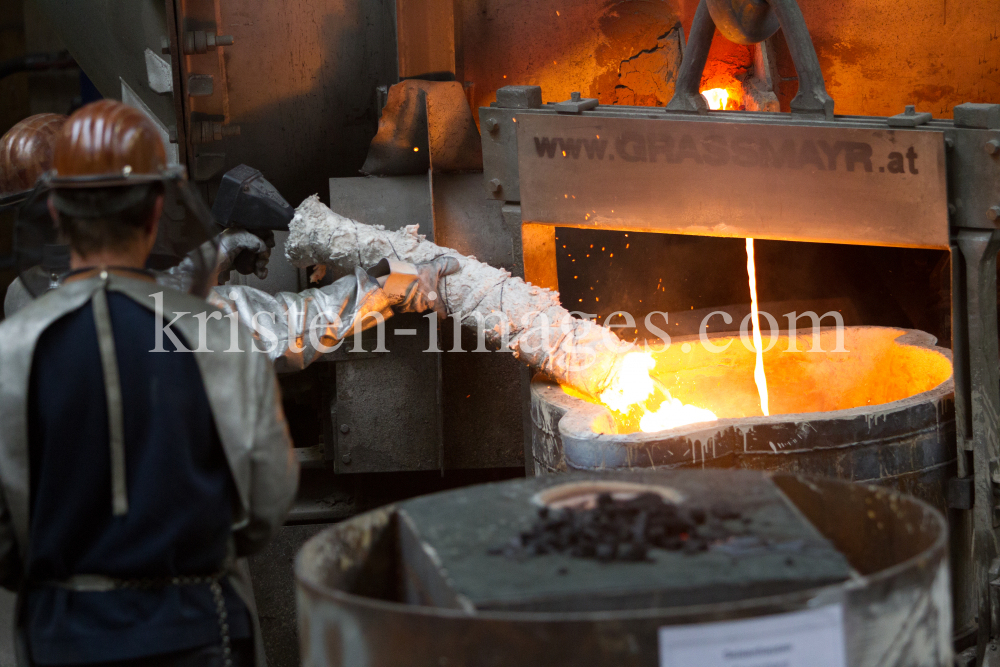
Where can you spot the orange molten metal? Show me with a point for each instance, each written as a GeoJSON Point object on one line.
{"type": "Point", "coordinates": [821, 370]}
{"type": "Point", "coordinates": [716, 98]}
{"type": "Point", "coordinates": [643, 403]}
{"type": "Point", "coordinates": [635, 395]}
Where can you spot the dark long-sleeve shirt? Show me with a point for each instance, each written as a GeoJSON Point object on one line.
{"type": "Point", "coordinates": [179, 485]}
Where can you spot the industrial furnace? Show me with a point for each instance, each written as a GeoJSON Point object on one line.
{"type": "Point", "coordinates": [809, 175]}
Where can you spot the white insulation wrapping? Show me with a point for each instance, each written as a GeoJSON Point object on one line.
{"type": "Point", "coordinates": [528, 319]}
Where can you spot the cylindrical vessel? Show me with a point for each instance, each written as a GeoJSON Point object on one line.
{"type": "Point", "coordinates": [895, 610]}
{"type": "Point", "coordinates": [907, 444]}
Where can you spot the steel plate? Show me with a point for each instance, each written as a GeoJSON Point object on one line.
{"type": "Point", "coordinates": [820, 183]}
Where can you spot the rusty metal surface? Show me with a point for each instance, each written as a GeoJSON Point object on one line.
{"type": "Point", "coordinates": [425, 123]}
{"type": "Point", "coordinates": [300, 82]}
{"type": "Point", "coordinates": [400, 146]}
{"type": "Point", "coordinates": [745, 21]}
{"type": "Point", "coordinates": [428, 37]}
{"type": "Point", "coordinates": [818, 183]}
{"type": "Point", "coordinates": [895, 614]}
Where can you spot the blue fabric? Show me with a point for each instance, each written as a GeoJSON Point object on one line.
{"type": "Point", "coordinates": [179, 493]}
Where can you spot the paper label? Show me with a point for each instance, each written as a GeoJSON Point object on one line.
{"type": "Point", "coordinates": [811, 638]}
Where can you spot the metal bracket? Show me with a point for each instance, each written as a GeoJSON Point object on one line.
{"type": "Point", "coordinates": [200, 85]}
{"type": "Point", "coordinates": [158, 73]}
{"type": "Point", "coordinates": [519, 97]}
{"type": "Point", "coordinates": [961, 493]}
{"type": "Point", "coordinates": [812, 98]}
{"type": "Point", "coordinates": [575, 104]}
{"type": "Point", "coordinates": [977, 407]}
{"type": "Point", "coordinates": [981, 116]}
{"type": "Point", "coordinates": [909, 118]}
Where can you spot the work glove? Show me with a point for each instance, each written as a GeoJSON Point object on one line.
{"type": "Point", "coordinates": [244, 251]}
{"type": "Point", "coordinates": [415, 288]}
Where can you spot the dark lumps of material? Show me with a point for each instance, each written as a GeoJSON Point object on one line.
{"type": "Point", "coordinates": [621, 529]}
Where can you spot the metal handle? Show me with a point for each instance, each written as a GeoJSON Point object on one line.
{"type": "Point", "coordinates": [812, 98]}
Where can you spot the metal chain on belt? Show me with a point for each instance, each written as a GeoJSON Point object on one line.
{"type": "Point", "coordinates": [220, 607]}
{"type": "Point", "coordinates": [213, 581]}
{"type": "Point", "coordinates": [220, 602]}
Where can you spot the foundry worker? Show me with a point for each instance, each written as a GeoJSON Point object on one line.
{"type": "Point", "coordinates": [26, 154]}
{"type": "Point", "coordinates": [132, 480]}
{"type": "Point", "coordinates": [292, 328]}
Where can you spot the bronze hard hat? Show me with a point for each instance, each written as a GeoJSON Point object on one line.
{"type": "Point", "coordinates": [26, 151]}
{"type": "Point", "coordinates": [107, 143]}
{"type": "Point", "coordinates": [117, 149]}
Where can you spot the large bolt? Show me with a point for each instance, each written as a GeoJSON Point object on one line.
{"type": "Point", "coordinates": [199, 41]}
{"type": "Point", "coordinates": [993, 146]}
{"type": "Point", "coordinates": [345, 429]}
{"type": "Point", "coordinates": [495, 185]}
{"type": "Point", "coordinates": [346, 458]}
{"type": "Point", "coordinates": [994, 213]}
{"type": "Point", "coordinates": [574, 96]}
{"type": "Point", "coordinates": [491, 125]}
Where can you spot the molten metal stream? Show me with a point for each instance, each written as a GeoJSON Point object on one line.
{"type": "Point", "coordinates": [758, 371]}
{"type": "Point", "coordinates": [640, 400]}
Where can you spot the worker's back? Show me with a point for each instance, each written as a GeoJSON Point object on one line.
{"type": "Point", "coordinates": [179, 490]}
{"type": "Point", "coordinates": [131, 475]}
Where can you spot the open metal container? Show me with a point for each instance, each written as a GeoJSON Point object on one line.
{"type": "Point", "coordinates": [896, 610]}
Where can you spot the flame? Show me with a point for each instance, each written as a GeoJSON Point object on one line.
{"type": "Point", "coordinates": [758, 371]}
{"type": "Point", "coordinates": [633, 393]}
{"type": "Point", "coordinates": [716, 98]}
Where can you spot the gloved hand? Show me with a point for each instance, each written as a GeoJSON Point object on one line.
{"type": "Point", "coordinates": [244, 251]}
{"type": "Point", "coordinates": [415, 288]}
